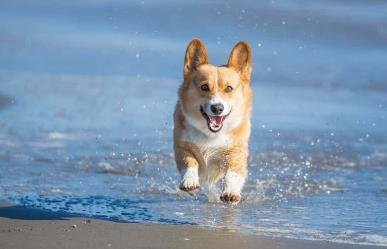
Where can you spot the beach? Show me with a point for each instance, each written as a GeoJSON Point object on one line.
{"type": "Point", "coordinates": [87, 94]}
{"type": "Point", "coordinates": [39, 229]}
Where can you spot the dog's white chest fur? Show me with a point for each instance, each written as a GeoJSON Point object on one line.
{"type": "Point", "coordinates": [206, 141]}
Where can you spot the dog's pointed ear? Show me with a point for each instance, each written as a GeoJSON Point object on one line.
{"type": "Point", "coordinates": [240, 60]}
{"type": "Point", "coordinates": [195, 55]}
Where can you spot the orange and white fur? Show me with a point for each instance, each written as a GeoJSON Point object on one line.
{"type": "Point", "coordinates": [212, 120]}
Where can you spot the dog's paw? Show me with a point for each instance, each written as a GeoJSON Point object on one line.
{"type": "Point", "coordinates": [233, 186]}
{"type": "Point", "coordinates": [230, 198]}
{"type": "Point", "coordinates": [189, 185]}
{"type": "Point", "coordinates": [190, 180]}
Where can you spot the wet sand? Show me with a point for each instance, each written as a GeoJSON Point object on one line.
{"type": "Point", "coordinates": [32, 228]}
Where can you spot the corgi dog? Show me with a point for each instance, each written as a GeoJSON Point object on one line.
{"type": "Point", "coordinates": [212, 120]}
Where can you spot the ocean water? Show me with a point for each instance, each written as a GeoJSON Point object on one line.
{"type": "Point", "coordinates": [87, 91]}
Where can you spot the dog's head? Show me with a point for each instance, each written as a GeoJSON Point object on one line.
{"type": "Point", "coordinates": [215, 97]}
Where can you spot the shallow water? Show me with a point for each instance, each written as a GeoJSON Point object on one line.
{"type": "Point", "coordinates": [86, 114]}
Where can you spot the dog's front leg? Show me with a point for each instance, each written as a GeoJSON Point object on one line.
{"type": "Point", "coordinates": [233, 184]}
{"type": "Point", "coordinates": [188, 167]}
{"type": "Point", "coordinates": [236, 172]}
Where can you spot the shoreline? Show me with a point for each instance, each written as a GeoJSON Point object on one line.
{"type": "Point", "coordinates": [22, 227]}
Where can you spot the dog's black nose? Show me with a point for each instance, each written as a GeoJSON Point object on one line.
{"type": "Point", "coordinates": [217, 108]}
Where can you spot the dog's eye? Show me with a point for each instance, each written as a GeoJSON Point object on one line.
{"type": "Point", "coordinates": [228, 89]}
{"type": "Point", "coordinates": [205, 88]}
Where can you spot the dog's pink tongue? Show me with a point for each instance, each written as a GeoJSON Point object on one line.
{"type": "Point", "coordinates": [216, 120]}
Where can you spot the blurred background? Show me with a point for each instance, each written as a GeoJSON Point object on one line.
{"type": "Point", "coordinates": [87, 91]}
{"type": "Point", "coordinates": [321, 43]}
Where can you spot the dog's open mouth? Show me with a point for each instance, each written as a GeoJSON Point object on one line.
{"type": "Point", "coordinates": [215, 123]}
